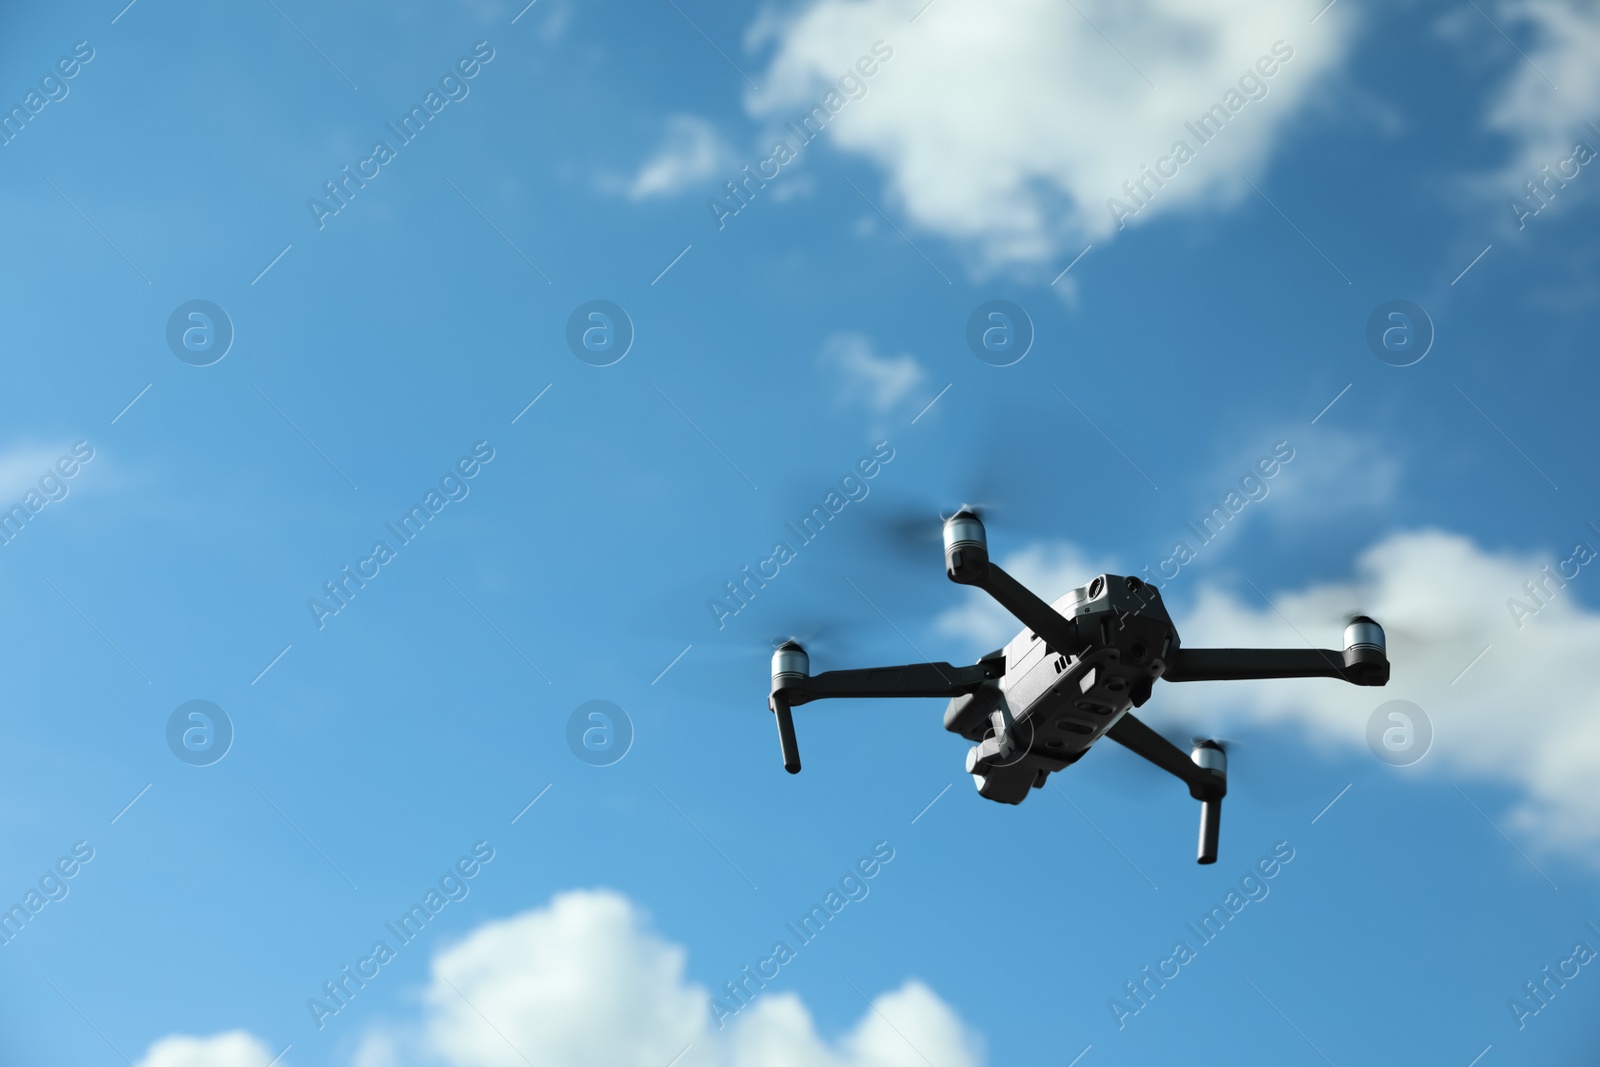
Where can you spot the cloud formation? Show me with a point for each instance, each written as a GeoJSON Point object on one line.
{"type": "Point", "coordinates": [585, 982]}
{"type": "Point", "coordinates": [1007, 126]}
{"type": "Point", "coordinates": [1553, 91]}
{"type": "Point", "coordinates": [873, 381]}
{"type": "Point", "coordinates": [691, 154]}
{"type": "Point", "coordinates": [233, 1049]}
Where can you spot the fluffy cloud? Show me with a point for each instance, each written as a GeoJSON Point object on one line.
{"type": "Point", "coordinates": [1006, 126]}
{"type": "Point", "coordinates": [584, 982]}
{"type": "Point", "coordinates": [1541, 120]}
{"type": "Point", "coordinates": [1526, 716]}
{"type": "Point", "coordinates": [691, 154]}
{"type": "Point", "coordinates": [877, 382]}
{"type": "Point", "coordinates": [233, 1049]}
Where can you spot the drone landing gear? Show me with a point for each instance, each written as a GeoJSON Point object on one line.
{"type": "Point", "coordinates": [1204, 771]}
{"type": "Point", "coordinates": [786, 739]}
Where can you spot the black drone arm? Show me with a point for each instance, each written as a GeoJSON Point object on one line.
{"type": "Point", "coordinates": [1058, 631]}
{"type": "Point", "coordinates": [1205, 773]}
{"type": "Point", "coordinates": [911, 680]}
{"type": "Point", "coordinates": [1132, 734]}
{"type": "Point", "coordinates": [1358, 664]}
{"type": "Point", "coordinates": [966, 562]}
{"type": "Point", "coordinates": [792, 684]}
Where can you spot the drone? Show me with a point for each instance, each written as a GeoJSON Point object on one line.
{"type": "Point", "coordinates": [1068, 679]}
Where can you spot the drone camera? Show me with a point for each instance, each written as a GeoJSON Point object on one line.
{"type": "Point", "coordinates": [1366, 657]}
{"type": "Point", "coordinates": [966, 548]}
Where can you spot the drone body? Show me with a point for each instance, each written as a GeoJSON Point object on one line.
{"type": "Point", "coordinates": [1068, 679]}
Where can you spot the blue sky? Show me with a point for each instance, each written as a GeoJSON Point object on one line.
{"type": "Point", "coordinates": [586, 517]}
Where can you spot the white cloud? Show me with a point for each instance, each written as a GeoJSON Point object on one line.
{"type": "Point", "coordinates": [691, 153]}
{"type": "Point", "coordinates": [877, 382]}
{"type": "Point", "coordinates": [1007, 125]}
{"type": "Point", "coordinates": [233, 1049]}
{"type": "Point", "coordinates": [1541, 120]}
{"type": "Point", "coordinates": [1525, 717]}
{"type": "Point", "coordinates": [584, 982]}
{"type": "Point", "coordinates": [1333, 474]}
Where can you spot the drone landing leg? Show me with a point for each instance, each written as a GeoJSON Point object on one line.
{"type": "Point", "coordinates": [786, 738]}
{"type": "Point", "coordinates": [1210, 827]}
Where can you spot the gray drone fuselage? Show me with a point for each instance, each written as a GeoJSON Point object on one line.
{"type": "Point", "coordinates": [1049, 707]}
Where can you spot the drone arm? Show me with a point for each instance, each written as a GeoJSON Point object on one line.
{"type": "Point", "coordinates": [911, 680]}
{"type": "Point", "coordinates": [1364, 661]}
{"type": "Point", "coordinates": [1133, 735]}
{"type": "Point", "coordinates": [1058, 631]}
{"type": "Point", "coordinates": [1205, 772]}
{"type": "Point", "coordinates": [966, 562]}
{"type": "Point", "coordinates": [792, 683]}
{"type": "Point", "coordinates": [1216, 664]}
